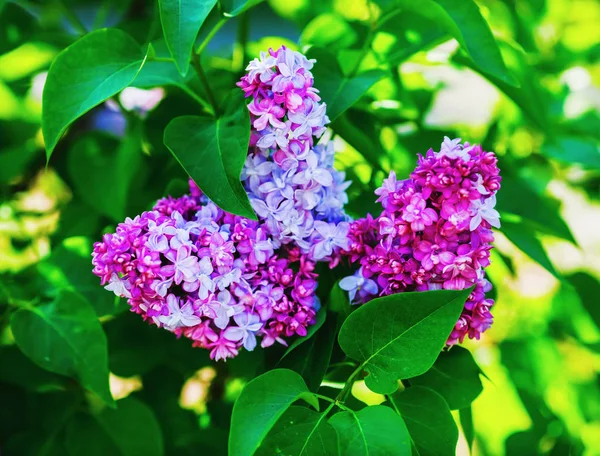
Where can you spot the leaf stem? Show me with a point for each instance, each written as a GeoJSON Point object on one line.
{"type": "Point", "coordinates": [210, 35]}
{"type": "Point", "coordinates": [394, 406]}
{"type": "Point", "coordinates": [347, 387]}
{"type": "Point", "coordinates": [204, 81]}
{"type": "Point", "coordinates": [325, 398]}
{"type": "Point", "coordinates": [207, 107]}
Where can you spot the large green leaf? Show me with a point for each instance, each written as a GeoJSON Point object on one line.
{"type": "Point", "coordinates": [181, 20]}
{"type": "Point", "coordinates": [523, 235]}
{"type": "Point", "coordinates": [103, 172]}
{"type": "Point", "coordinates": [92, 69]}
{"type": "Point", "coordinates": [65, 337]}
{"type": "Point", "coordinates": [463, 20]}
{"type": "Point", "coordinates": [400, 335]}
{"type": "Point", "coordinates": [455, 375]}
{"type": "Point", "coordinates": [373, 431]}
{"type": "Point", "coordinates": [300, 432]}
{"type": "Point", "coordinates": [428, 419]}
{"type": "Point", "coordinates": [130, 430]}
{"type": "Point", "coordinates": [259, 406]}
{"type": "Point", "coordinates": [213, 152]}
{"type": "Point", "coordinates": [336, 89]}
{"type": "Point", "coordinates": [311, 359]}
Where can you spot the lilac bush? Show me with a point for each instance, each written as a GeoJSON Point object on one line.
{"type": "Point", "coordinates": [434, 232]}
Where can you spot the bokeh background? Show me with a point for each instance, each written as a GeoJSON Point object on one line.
{"type": "Point", "coordinates": [541, 358]}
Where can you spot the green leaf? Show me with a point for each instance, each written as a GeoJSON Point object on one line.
{"type": "Point", "coordinates": [311, 359]}
{"type": "Point", "coordinates": [130, 430]}
{"type": "Point", "coordinates": [428, 419]}
{"type": "Point", "coordinates": [92, 69]}
{"type": "Point", "coordinates": [233, 8]}
{"type": "Point", "coordinates": [588, 289]}
{"type": "Point", "coordinates": [400, 335]}
{"type": "Point", "coordinates": [259, 406]}
{"type": "Point", "coordinates": [463, 20]}
{"type": "Point", "coordinates": [300, 432]}
{"type": "Point", "coordinates": [339, 91]}
{"type": "Point", "coordinates": [19, 370]}
{"type": "Point", "coordinates": [455, 375]}
{"type": "Point", "coordinates": [373, 431]}
{"type": "Point", "coordinates": [319, 320]}
{"type": "Point", "coordinates": [181, 20]}
{"type": "Point", "coordinates": [213, 152]}
{"type": "Point", "coordinates": [522, 235]}
{"type": "Point", "coordinates": [467, 425]}
{"type": "Point", "coordinates": [69, 267]}
{"type": "Point", "coordinates": [540, 209]}
{"type": "Point", "coordinates": [574, 150]}
{"type": "Point", "coordinates": [329, 30]}
{"type": "Point", "coordinates": [103, 172]}
{"type": "Point", "coordinates": [154, 74]}
{"type": "Point", "coordinates": [65, 337]}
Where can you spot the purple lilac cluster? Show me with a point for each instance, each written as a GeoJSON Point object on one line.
{"type": "Point", "coordinates": [216, 278]}
{"type": "Point", "coordinates": [291, 181]}
{"type": "Point", "coordinates": [434, 233]}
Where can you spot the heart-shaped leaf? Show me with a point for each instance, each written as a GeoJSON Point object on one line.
{"type": "Point", "coordinates": [336, 89]}
{"type": "Point", "coordinates": [65, 337]}
{"type": "Point", "coordinates": [259, 406]}
{"type": "Point", "coordinates": [213, 152]}
{"type": "Point", "coordinates": [456, 364]}
{"type": "Point", "coordinates": [373, 431]}
{"type": "Point", "coordinates": [428, 419]}
{"type": "Point", "coordinates": [92, 69]}
{"type": "Point", "coordinates": [181, 20]}
{"type": "Point", "coordinates": [301, 432]}
{"type": "Point", "coordinates": [400, 335]}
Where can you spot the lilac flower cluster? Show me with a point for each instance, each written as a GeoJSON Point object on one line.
{"type": "Point", "coordinates": [434, 233]}
{"type": "Point", "coordinates": [216, 278]}
{"type": "Point", "coordinates": [291, 181]}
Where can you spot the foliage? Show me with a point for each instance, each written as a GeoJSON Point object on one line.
{"type": "Point", "coordinates": [79, 374]}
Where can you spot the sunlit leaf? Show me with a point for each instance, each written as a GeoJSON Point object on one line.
{"type": "Point", "coordinates": [213, 152]}
{"type": "Point", "coordinates": [400, 335]}
{"type": "Point", "coordinates": [94, 68]}
{"type": "Point", "coordinates": [259, 406]}
{"type": "Point", "coordinates": [372, 431]}
{"type": "Point", "coordinates": [329, 30]}
{"type": "Point", "coordinates": [338, 90]}
{"type": "Point", "coordinates": [65, 337]}
{"type": "Point", "coordinates": [523, 236]}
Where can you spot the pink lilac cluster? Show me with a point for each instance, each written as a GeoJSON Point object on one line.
{"type": "Point", "coordinates": [434, 233]}
{"type": "Point", "coordinates": [216, 278]}
{"type": "Point", "coordinates": [290, 179]}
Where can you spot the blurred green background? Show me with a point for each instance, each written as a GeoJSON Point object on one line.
{"type": "Point", "coordinates": [541, 358]}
